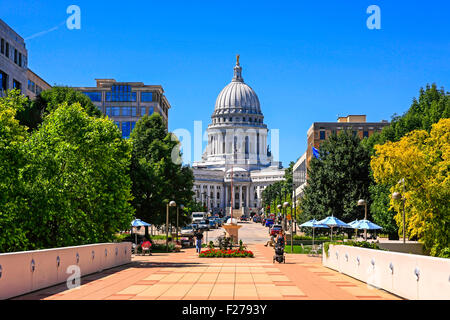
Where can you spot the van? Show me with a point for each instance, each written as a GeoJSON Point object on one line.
{"type": "Point", "coordinates": [198, 216]}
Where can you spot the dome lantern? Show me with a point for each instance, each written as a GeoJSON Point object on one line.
{"type": "Point", "coordinates": [238, 71]}
{"type": "Point", "coordinates": [238, 98]}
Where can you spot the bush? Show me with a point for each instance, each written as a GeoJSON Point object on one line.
{"type": "Point", "coordinates": [217, 253]}
{"type": "Point", "coordinates": [361, 244]}
{"type": "Point", "coordinates": [224, 243]}
{"type": "Point", "coordinates": [122, 237]}
{"type": "Point", "coordinates": [242, 247]}
{"type": "Point", "coordinates": [323, 238]}
{"type": "Point", "coordinates": [445, 253]}
{"type": "Point", "coordinates": [162, 247]}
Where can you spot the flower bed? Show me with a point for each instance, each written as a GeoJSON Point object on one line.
{"type": "Point", "coordinates": [217, 253]}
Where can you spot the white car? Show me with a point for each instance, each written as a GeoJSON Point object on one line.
{"type": "Point", "coordinates": [188, 230]}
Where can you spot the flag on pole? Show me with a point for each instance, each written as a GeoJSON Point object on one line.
{"type": "Point", "coordinates": [315, 153]}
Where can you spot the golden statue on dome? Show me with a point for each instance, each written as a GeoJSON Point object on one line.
{"type": "Point", "coordinates": [237, 59]}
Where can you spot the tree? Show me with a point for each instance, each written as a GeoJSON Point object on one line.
{"type": "Point", "coordinates": [156, 173]}
{"type": "Point", "coordinates": [431, 106]}
{"type": "Point", "coordinates": [76, 181]}
{"type": "Point", "coordinates": [338, 180]}
{"type": "Point", "coordinates": [49, 100]}
{"type": "Point", "coordinates": [381, 212]}
{"type": "Point", "coordinates": [288, 178]}
{"type": "Point", "coordinates": [12, 159]}
{"type": "Point", "coordinates": [422, 159]}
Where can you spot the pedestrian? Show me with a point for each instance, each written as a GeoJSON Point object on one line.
{"type": "Point", "coordinates": [271, 242]}
{"type": "Point", "coordinates": [198, 236]}
{"type": "Point", "coordinates": [281, 238]}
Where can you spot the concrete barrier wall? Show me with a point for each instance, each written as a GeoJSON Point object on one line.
{"type": "Point", "coordinates": [406, 275]}
{"type": "Point", "coordinates": [27, 271]}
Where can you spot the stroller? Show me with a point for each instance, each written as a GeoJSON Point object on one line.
{"type": "Point", "coordinates": [279, 253]}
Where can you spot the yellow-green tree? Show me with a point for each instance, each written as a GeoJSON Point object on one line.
{"type": "Point", "coordinates": [12, 159]}
{"type": "Point", "coordinates": [423, 160]}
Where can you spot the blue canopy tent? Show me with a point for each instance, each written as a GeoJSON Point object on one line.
{"type": "Point", "coordinates": [365, 225]}
{"type": "Point", "coordinates": [138, 223]}
{"type": "Point", "coordinates": [334, 222]}
{"type": "Point", "coordinates": [313, 224]}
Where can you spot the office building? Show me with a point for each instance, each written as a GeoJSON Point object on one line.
{"type": "Point", "coordinates": [356, 124]}
{"type": "Point", "coordinates": [14, 71]}
{"type": "Point", "coordinates": [126, 102]}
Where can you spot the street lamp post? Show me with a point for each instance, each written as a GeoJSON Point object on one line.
{"type": "Point", "coordinates": [171, 204]}
{"type": "Point", "coordinates": [399, 196]}
{"type": "Point", "coordinates": [363, 202]}
{"type": "Point", "coordinates": [179, 207]}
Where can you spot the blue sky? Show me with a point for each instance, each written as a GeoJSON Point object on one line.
{"type": "Point", "coordinates": [307, 60]}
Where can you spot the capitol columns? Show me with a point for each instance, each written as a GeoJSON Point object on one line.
{"type": "Point", "coordinates": [247, 197]}
{"type": "Point", "coordinates": [226, 195]}
{"type": "Point", "coordinates": [240, 196]}
{"type": "Point", "coordinates": [215, 196]}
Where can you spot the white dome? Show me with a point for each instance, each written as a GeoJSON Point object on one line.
{"type": "Point", "coordinates": [237, 97]}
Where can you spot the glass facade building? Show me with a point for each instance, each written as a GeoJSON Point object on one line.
{"type": "Point", "coordinates": [126, 102]}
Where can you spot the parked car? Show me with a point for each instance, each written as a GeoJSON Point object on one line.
{"type": "Point", "coordinates": [276, 228]}
{"type": "Point", "coordinates": [219, 222]}
{"type": "Point", "coordinates": [212, 223]}
{"type": "Point", "coordinates": [188, 230]}
{"type": "Point", "coordinates": [203, 225]}
{"type": "Point", "coordinates": [256, 219]}
{"type": "Point", "coordinates": [269, 222]}
{"type": "Point", "coordinates": [187, 241]}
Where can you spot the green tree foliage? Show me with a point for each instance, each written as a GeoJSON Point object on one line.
{"type": "Point", "coordinates": [76, 181]}
{"type": "Point", "coordinates": [338, 180]}
{"type": "Point", "coordinates": [156, 172]}
{"type": "Point", "coordinates": [288, 177]}
{"type": "Point", "coordinates": [380, 209]}
{"type": "Point", "coordinates": [422, 160]}
{"type": "Point", "coordinates": [12, 136]}
{"type": "Point", "coordinates": [49, 100]}
{"type": "Point", "coordinates": [431, 106]}
{"type": "Point", "coordinates": [272, 195]}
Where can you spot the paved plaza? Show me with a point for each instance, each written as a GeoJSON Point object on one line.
{"type": "Point", "coordinates": [185, 276]}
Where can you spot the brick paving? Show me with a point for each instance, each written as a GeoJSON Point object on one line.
{"type": "Point", "coordinates": [185, 276]}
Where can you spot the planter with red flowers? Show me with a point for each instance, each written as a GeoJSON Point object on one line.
{"type": "Point", "coordinates": [217, 253]}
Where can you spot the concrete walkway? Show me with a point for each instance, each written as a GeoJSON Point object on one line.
{"type": "Point", "coordinates": [185, 276]}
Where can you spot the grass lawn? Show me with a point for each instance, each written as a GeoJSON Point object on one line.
{"type": "Point", "coordinates": [297, 249]}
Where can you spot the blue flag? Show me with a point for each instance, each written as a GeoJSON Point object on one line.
{"type": "Point", "coordinates": [315, 153]}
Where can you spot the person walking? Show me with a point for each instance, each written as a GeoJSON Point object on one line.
{"type": "Point", "coordinates": [281, 238]}
{"type": "Point", "coordinates": [198, 237]}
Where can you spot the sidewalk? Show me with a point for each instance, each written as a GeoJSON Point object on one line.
{"type": "Point", "coordinates": [167, 276]}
